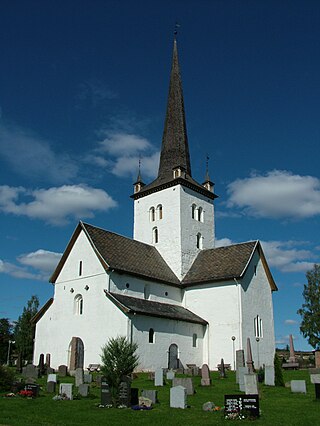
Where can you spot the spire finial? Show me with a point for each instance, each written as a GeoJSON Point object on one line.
{"type": "Point", "coordinates": [176, 26]}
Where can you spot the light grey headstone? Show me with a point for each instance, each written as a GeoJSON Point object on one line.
{"type": "Point", "coordinates": [79, 376]}
{"type": "Point", "coordinates": [250, 384]}
{"type": "Point", "coordinates": [87, 378]}
{"type": "Point", "coordinates": [239, 362]}
{"type": "Point", "coordinates": [66, 389]}
{"type": "Point", "coordinates": [242, 372]}
{"type": "Point", "coordinates": [315, 378]}
{"type": "Point", "coordinates": [84, 389]}
{"type": "Point", "coordinates": [269, 375]}
{"type": "Point", "coordinates": [52, 378]}
{"type": "Point", "coordinates": [178, 397]}
{"type": "Point", "coordinates": [314, 370]}
{"type": "Point", "coordinates": [298, 386]}
{"type": "Point", "coordinates": [170, 375]}
{"type": "Point", "coordinates": [51, 387]}
{"type": "Point", "coordinates": [205, 375]}
{"type": "Point", "coordinates": [158, 377]}
{"type": "Point", "coordinates": [150, 394]}
{"type": "Point", "coordinates": [186, 382]}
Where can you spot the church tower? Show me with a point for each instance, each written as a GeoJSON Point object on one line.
{"type": "Point", "coordinates": [174, 212]}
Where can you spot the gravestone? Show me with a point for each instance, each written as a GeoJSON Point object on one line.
{"type": "Point", "coordinates": [205, 375]}
{"type": "Point", "coordinates": [41, 365]}
{"type": "Point", "coordinates": [194, 369]}
{"type": "Point", "coordinates": [315, 378]}
{"type": "Point", "coordinates": [76, 354]}
{"type": "Point", "coordinates": [47, 364]}
{"type": "Point", "coordinates": [87, 378]}
{"type": "Point", "coordinates": [62, 370]}
{"type": "Point", "coordinates": [239, 362]}
{"type": "Point", "coordinates": [173, 362]}
{"type": "Point", "coordinates": [298, 386]}
{"type": "Point", "coordinates": [222, 370]}
{"type": "Point", "coordinates": [52, 378]}
{"type": "Point", "coordinates": [242, 372]}
{"type": "Point", "coordinates": [66, 389]}
{"type": "Point", "coordinates": [237, 403]}
{"type": "Point", "coordinates": [79, 376]}
{"type": "Point", "coordinates": [186, 382]}
{"type": "Point", "coordinates": [178, 397]}
{"type": "Point", "coordinates": [292, 363]}
{"type": "Point", "coordinates": [124, 392]}
{"type": "Point", "coordinates": [170, 375]}
{"type": "Point", "coordinates": [150, 394]}
{"type": "Point", "coordinates": [30, 371]}
{"type": "Point", "coordinates": [51, 387]}
{"type": "Point", "coordinates": [314, 370]}
{"type": "Point", "coordinates": [134, 396]}
{"type": "Point", "coordinates": [33, 388]}
{"type": "Point", "coordinates": [105, 392]}
{"type": "Point", "coordinates": [269, 375]}
{"type": "Point", "coordinates": [249, 357]}
{"type": "Point", "coordinates": [158, 377]}
{"type": "Point", "coordinates": [317, 390]}
{"type": "Point", "coordinates": [250, 384]}
{"type": "Point", "coordinates": [84, 389]}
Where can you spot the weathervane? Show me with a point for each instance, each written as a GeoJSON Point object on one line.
{"type": "Point", "coordinates": [176, 26]}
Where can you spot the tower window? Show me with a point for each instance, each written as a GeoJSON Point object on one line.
{"type": "Point", "coordinates": [151, 335]}
{"type": "Point", "coordinates": [200, 214]}
{"type": "Point", "coordinates": [258, 329]}
{"type": "Point", "coordinates": [80, 268]}
{"type": "Point", "coordinates": [155, 235]}
{"type": "Point", "coordinates": [193, 211]}
{"type": "Point", "coordinates": [152, 214]}
{"type": "Point", "coordinates": [159, 212]}
{"type": "Point", "coordinates": [194, 340]}
{"type": "Point", "coordinates": [78, 304]}
{"type": "Point", "coordinates": [199, 241]}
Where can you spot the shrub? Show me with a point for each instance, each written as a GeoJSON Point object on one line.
{"type": "Point", "coordinates": [278, 376]}
{"type": "Point", "coordinates": [6, 378]}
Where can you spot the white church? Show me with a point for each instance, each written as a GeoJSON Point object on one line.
{"type": "Point", "coordinates": [168, 289]}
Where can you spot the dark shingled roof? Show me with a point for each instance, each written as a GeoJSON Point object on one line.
{"type": "Point", "coordinates": [220, 263]}
{"type": "Point", "coordinates": [127, 255]}
{"type": "Point", "coordinates": [155, 309]}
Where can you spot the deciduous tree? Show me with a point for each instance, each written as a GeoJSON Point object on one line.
{"type": "Point", "coordinates": [5, 336]}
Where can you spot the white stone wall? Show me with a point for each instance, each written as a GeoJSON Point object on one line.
{"type": "Point", "coordinates": [177, 230]}
{"type": "Point", "coordinates": [154, 355]}
{"type": "Point", "coordinates": [257, 300]}
{"type": "Point", "coordinates": [219, 304]}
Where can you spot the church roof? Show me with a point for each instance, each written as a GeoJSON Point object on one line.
{"type": "Point", "coordinates": [135, 305]}
{"type": "Point", "coordinates": [122, 254]}
{"type": "Point", "coordinates": [175, 147]}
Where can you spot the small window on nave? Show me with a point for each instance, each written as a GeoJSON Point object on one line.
{"type": "Point", "coordinates": [193, 211]}
{"type": "Point", "coordinates": [155, 235]}
{"type": "Point", "coordinates": [152, 214]}
{"type": "Point", "coordinates": [78, 304]}
{"type": "Point", "coordinates": [194, 340]}
{"type": "Point", "coordinates": [199, 241]}
{"type": "Point", "coordinates": [159, 212]}
{"type": "Point", "coordinates": [151, 335]}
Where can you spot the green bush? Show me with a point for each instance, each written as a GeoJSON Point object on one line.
{"type": "Point", "coordinates": [278, 376]}
{"type": "Point", "coordinates": [6, 378]}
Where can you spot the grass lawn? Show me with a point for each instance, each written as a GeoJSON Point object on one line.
{"type": "Point", "coordinates": [279, 406]}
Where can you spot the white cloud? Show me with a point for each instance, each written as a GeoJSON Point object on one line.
{"type": "Point", "coordinates": [128, 166]}
{"type": "Point", "coordinates": [42, 260]}
{"type": "Point", "coordinates": [124, 144]}
{"type": "Point", "coordinates": [31, 155]}
{"type": "Point", "coordinates": [18, 271]}
{"type": "Point", "coordinates": [55, 205]}
{"type": "Point", "coordinates": [95, 92]}
{"type": "Point", "coordinates": [278, 194]}
{"type": "Point", "coordinates": [282, 256]}
{"type": "Point", "coordinates": [223, 242]}
{"type": "Point", "coordinates": [290, 322]}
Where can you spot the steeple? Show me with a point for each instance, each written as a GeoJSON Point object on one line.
{"type": "Point", "coordinates": [175, 149]}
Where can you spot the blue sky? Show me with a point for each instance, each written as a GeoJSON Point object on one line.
{"type": "Point", "coordinates": [83, 88]}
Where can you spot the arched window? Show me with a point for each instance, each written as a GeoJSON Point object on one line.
{"type": "Point", "coordinates": [258, 329]}
{"type": "Point", "coordinates": [159, 212]}
{"type": "Point", "coordinates": [155, 235]}
{"type": "Point", "coordinates": [152, 214]}
{"type": "Point", "coordinates": [199, 241]}
{"type": "Point", "coordinates": [151, 335]}
{"type": "Point", "coordinates": [193, 211]}
{"type": "Point", "coordinates": [194, 340]}
{"type": "Point", "coordinates": [200, 214]}
{"type": "Point", "coordinates": [78, 304]}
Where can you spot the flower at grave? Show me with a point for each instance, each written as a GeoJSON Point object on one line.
{"type": "Point", "coordinates": [26, 393]}
{"type": "Point", "coordinates": [10, 395]}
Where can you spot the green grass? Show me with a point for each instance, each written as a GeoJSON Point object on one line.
{"type": "Point", "coordinates": [279, 406]}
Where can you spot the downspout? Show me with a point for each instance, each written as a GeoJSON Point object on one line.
{"type": "Point", "coordinates": [239, 312]}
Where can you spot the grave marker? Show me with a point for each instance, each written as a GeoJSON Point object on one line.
{"type": "Point", "coordinates": [84, 389]}
{"type": "Point", "coordinates": [237, 403]}
{"type": "Point", "coordinates": [79, 376]}
{"type": "Point", "coordinates": [250, 384]}
{"type": "Point", "coordinates": [51, 387]}
{"type": "Point", "coordinates": [239, 362]}
{"type": "Point", "coordinates": [205, 375]}
{"type": "Point", "coordinates": [298, 386]}
{"type": "Point", "coordinates": [269, 375]}
{"type": "Point", "coordinates": [62, 370]}
{"type": "Point", "coordinates": [105, 392]}
{"type": "Point", "coordinates": [186, 382]}
{"type": "Point", "coordinates": [178, 397]}
{"type": "Point", "coordinates": [150, 394]}
{"type": "Point", "coordinates": [124, 392]}
{"type": "Point", "coordinates": [158, 377]}
{"type": "Point", "coordinates": [66, 389]}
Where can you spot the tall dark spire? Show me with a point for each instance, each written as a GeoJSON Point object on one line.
{"type": "Point", "coordinates": [175, 149]}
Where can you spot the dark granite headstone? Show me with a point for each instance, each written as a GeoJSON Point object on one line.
{"type": "Point", "coordinates": [125, 392]}
{"type": "Point", "coordinates": [238, 403]}
{"type": "Point", "coordinates": [317, 390]}
{"type": "Point", "coordinates": [105, 392]}
{"type": "Point", "coordinates": [41, 365]}
{"type": "Point", "coordinates": [134, 396]}
{"type": "Point", "coordinates": [33, 388]}
{"type": "Point", "coordinates": [62, 370]}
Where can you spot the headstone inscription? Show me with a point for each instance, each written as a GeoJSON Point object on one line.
{"type": "Point", "coordinates": [205, 375]}
{"type": "Point", "coordinates": [150, 394]}
{"type": "Point", "coordinates": [84, 389]}
{"type": "Point", "coordinates": [238, 403]}
{"type": "Point", "coordinates": [250, 384]}
{"type": "Point", "coordinates": [178, 397]}
{"type": "Point", "coordinates": [158, 377]}
{"type": "Point", "coordinates": [239, 362]}
{"type": "Point", "coordinates": [269, 375]}
{"type": "Point", "coordinates": [51, 387]}
{"type": "Point", "coordinates": [298, 386]}
{"type": "Point", "coordinates": [105, 392]}
{"type": "Point", "coordinates": [125, 392]}
{"type": "Point", "coordinates": [62, 370]}
{"type": "Point", "coordinates": [186, 382]}
{"type": "Point", "coordinates": [66, 390]}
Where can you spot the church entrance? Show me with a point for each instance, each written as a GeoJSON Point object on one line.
{"type": "Point", "coordinates": [173, 362]}
{"type": "Point", "coordinates": [76, 354]}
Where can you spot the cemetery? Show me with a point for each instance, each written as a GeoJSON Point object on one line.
{"type": "Point", "coordinates": [165, 397]}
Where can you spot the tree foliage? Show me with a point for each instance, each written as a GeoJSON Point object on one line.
{"type": "Point", "coordinates": [118, 359]}
{"type": "Point", "coordinates": [6, 378]}
{"type": "Point", "coordinates": [278, 376]}
{"type": "Point", "coordinates": [24, 330]}
{"type": "Point", "coordinates": [5, 336]}
{"type": "Point", "coordinates": [310, 310]}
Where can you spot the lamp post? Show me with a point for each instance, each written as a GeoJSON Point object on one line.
{"type": "Point", "coordinates": [8, 356]}
{"type": "Point", "coordinates": [233, 338]}
{"type": "Point", "coordinates": [258, 340]}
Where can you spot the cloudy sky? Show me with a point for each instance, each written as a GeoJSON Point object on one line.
{"type": "Point", "coordinates": [83, 89]}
